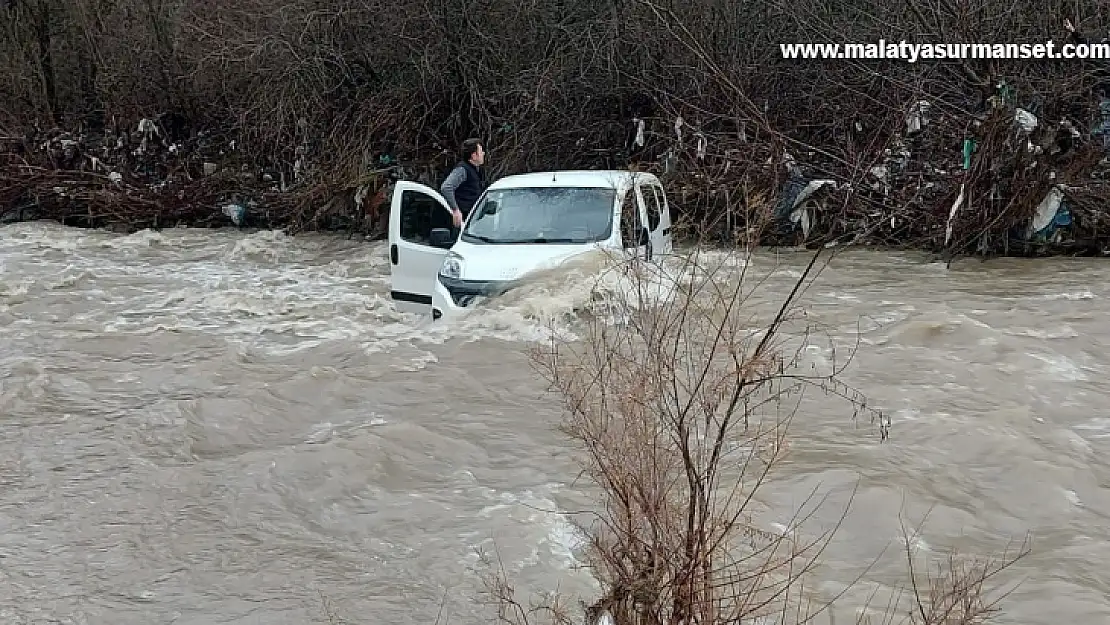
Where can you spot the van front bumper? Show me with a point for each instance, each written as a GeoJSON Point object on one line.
{"type": "Point", "coordinates": [452, 295]}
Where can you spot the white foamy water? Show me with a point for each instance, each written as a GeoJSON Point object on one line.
{"type": "Point", "coordinates": [235, 427]}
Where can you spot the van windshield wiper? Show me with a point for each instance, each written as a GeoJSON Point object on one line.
{"type": "Point", "coordinates": [481, 238]}
{"type": "Point", "coordinates": [485, 239]}
{"type": "Point", "coordinates": [547, 240]}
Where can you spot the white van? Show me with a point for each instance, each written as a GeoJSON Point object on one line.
{"type": "Point", "coordinates": [519, 225]}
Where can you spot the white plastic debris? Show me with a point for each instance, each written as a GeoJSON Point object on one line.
{"type": "Point", "coordinates": [701, 146]}
{"type": "Point", "coordinates": [800, 213]}
{"type": "Point", "coordinates": [1046, 210]}
{"type": "Point", "coordinates": [147, 127]}
{"type": "Point", "coordinates": [811, 187]}
{"type": "Point", "coordinates": [300, 166]}
{"type": "Point", "coordinates": [678, 128]}
{"type": "Point", "coordinates": [236, 212]}
{"type": "Point", "coordinates": [788, 160]}
{"type": "Point", "coordinates": [952, 215]}
{"type": "Point", "coordinates": [670, 159]}
{"type": "Point", "coordinates": [1025, 119]}
{"type": "Point", "coordinates": [149, 130]}
{"type": "Point", "coordinates": [917, 120]}
{"type": "Point", "coordinates": [880, 172]}
{"type": "Point", "coordinates": [209, 168]}
{"type": "Point", "coordinates": [115, 177]}
{"type": "Point", "coordinates": [360, 196]}
{"type": "Point", "coordinates": [639, 132]}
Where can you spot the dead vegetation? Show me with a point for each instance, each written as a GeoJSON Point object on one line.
{"type": "Point", "coordinates": [302, 114]}
{"type": "Point", "coordinates": [679, 398]}
{"type": "Point", "coordinates": [957, 590]}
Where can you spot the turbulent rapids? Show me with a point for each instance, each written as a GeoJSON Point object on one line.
{"type": "Point", "coordinates": [210, 426]}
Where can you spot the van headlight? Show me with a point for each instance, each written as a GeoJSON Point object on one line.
{"type": "Point", "coordinates": [452, 266]}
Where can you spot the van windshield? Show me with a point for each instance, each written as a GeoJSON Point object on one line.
{"type": "Point", "coordinates": [542, 215]}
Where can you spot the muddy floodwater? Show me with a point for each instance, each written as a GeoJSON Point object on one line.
{"type": "Point", "coordinates": [204, 427]}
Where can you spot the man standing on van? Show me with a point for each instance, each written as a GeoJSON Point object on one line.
{"type": "Point", "coordinates": [464, 184]}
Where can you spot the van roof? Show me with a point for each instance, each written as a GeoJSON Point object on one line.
{"type": "Point", "coordinates": [609, 178]}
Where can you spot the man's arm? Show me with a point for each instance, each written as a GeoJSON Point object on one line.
{"type": "Point", "coordinates": [454, 179]}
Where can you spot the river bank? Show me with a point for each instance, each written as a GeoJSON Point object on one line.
{"type": "Point", "coordinates": [129, 181]}
{"type": "Point", "coordinates": [146, 176]}
{"type": "Point", "coordinates": [984, 154]}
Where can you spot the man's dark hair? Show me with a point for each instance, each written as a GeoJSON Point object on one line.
{"type": "Point", "coordinates": [469, 147]}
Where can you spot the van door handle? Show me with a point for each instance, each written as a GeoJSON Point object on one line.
{"type": "Point", "coordinates": [393, 253]}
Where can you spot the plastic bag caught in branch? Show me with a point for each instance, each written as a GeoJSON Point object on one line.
{"type": "Point", "coordinates": [916, 119]}
{"type": "Point", "coordinates": [1026, 120]}
{"type": "Point", "coordinates": [639, 140]}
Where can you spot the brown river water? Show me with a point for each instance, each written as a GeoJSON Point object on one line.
{"type": "Point", "coordinates": [226, 427]}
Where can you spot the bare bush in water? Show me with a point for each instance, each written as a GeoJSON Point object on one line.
{"type": "Point", "coordinates": [680, 400]}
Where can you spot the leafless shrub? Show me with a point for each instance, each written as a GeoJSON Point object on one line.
{"type": "Point", "coordinates": [957, 594]}
{"type": "Point", "coordinates": [678, 411]}
{"type": "Point", "coordinates": [956, 591]}
{"type": "Point", "coordinates": [678, 396]}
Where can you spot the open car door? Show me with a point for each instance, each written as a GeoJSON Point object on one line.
{"type": "Point", "coordinates": [415, 210]}
{"type": "Point", "coordinates": [635, 238]}
{"type": "Point", "coordinates": [657, 217]}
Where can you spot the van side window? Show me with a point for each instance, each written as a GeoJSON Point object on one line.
{"type": "Point", "coordinates": [662, 198]}
{"type": "Point", "coordinates": [420, 214]}
{"type": "Point", "coordinates": [630, 220]}
{"type": "Point", "coordinates": [654, 206]}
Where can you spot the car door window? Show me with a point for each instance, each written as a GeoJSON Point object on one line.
{"type": "Point", "coordinates": [651, 203]}
{"type": "Point", "coordinates": [662, 197]}
{"type": "Point", "coordinates": [630, 220]}
{"type": "Point", "coordinates": [420, 214]}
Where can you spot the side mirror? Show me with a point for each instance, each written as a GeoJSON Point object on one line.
{"type": "Point", "coordinates": [441, 238]}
